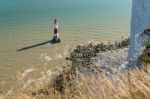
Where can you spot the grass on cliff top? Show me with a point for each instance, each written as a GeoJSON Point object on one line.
{"type": "Point", "coordinates": [147, 44]}
{"type": "Point", "coordinates": [135, 84]}
{"type": "Point", "coordinates": [147, 56]}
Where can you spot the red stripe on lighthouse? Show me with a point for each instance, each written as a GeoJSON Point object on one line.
{"type": "Point", "coordinates": [55, 31]}
{"type": "Point", "coordinates": [55, 26]}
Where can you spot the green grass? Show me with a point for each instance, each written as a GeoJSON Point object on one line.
{"type": "Point", "coordinates": [146, 57]}
{"type": "Point", "coordinates": [147, 44]}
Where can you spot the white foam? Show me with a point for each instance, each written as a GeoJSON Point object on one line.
{"type": "Point", "coordinates": [41, 80]}
{"type": "Point", "coordinates": [49, 73]}
{"type": "Point", "coordinates": [47, 58]}
{"type": "Point", "coordinates": [9, 92]}
{"type": "Point", "coordinates": [26, 72]}
{"type": "Point", "coordinates": [43, 54]}
{"type": "Point", "coordinates": [28, 83]}
{"type": "Point", "coordinates": [57, 56]}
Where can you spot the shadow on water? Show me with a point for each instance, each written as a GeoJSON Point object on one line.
{"type": "Point", "coordinates": [36, 45]}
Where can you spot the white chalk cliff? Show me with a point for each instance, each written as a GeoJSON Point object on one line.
{"type": "Point", "coordinates": [139, 22]}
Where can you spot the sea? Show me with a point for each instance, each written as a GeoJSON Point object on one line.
{"type": "Point", "coordinates": [29, 24]}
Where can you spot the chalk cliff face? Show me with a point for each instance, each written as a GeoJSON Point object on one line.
{"type": "Point", "coordinates": [139, 22]}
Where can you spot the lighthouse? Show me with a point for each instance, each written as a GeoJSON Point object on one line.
{"type": "Point", "coordinates": [56, 37]}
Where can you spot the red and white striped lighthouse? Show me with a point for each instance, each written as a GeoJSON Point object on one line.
{"type": "Point", "coordinates": [56, 38]}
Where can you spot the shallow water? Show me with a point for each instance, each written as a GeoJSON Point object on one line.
{"type": "Point", "coordinates": [27, 22]}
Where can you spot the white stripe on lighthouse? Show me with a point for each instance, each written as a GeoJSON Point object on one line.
{"type": "Point", "coordinates": [56, 28]}
{"type": "Point", "coordinates": [56, 24]}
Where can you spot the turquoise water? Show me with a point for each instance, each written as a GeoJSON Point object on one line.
{"type": "Point", "coordinates": [27, 22]}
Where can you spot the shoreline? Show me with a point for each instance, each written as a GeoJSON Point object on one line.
{"type": "Point", "coordinates": [83, 57]}
{"type": "Point", "coordinates": [90, 71]}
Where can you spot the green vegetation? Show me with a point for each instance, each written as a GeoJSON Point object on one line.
{"type": "Point", "coordinates": [146, 57]}
{"type": "Point", "coordinates": [147, 31]}
{"type": "Point", "coordinates": [147, 45]}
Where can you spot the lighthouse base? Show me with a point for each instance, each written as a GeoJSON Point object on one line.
{"type": "Point", "coordinates": [56, 40]}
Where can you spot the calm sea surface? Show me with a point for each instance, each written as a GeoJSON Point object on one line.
{"type": "Point", "coordinates": [27, 22]}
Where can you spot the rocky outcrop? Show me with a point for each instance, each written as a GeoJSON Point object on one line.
{"type": "Point", "coordinates": [97, 58]}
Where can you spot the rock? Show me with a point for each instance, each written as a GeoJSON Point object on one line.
{"type": "Point", "coordinates": [82, 56]}
{"type": "Point", "coordinates": [1, 92]}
